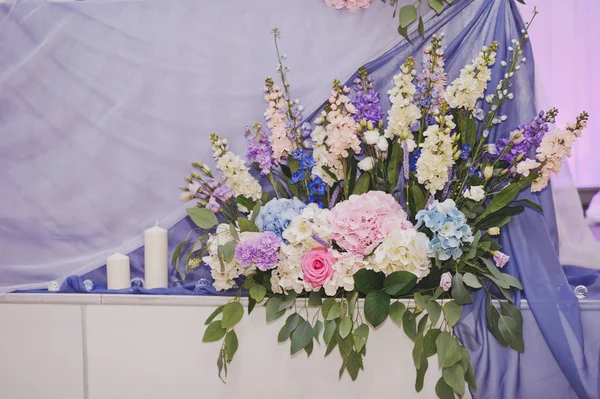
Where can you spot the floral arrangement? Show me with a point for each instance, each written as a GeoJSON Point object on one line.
{"type": "Point", "coordinates": [395, 208]}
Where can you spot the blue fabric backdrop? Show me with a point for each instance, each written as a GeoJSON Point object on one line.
{"type": "Point", "coordinates": [530, 240]}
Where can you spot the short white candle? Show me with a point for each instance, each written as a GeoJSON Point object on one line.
{"type": "Point", "coordinates": [118, 275]}
{"type": "Point", "coordinates": [156, 252]}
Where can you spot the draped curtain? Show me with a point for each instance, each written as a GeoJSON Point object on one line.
{"type": "Point", "coordinates": [105, 103]}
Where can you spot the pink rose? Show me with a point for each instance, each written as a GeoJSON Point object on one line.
{"type": "Point", "coordinates": [500, 259]}
{"type": "Point", "coordinates": [317, 266]}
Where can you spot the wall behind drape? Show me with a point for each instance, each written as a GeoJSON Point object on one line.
{"type": "Point", "coordinates": [566, 47]}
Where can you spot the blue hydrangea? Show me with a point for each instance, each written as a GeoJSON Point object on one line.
{"type": "Point", "coordinates": [275, 216]}
{"type": "Point", "coordinates": [449, 227]}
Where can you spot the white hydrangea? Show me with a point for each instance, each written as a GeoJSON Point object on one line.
{"type": "Point", "coordinates": [225, 275]}
{"type": "Point", "coordinates": [405, 250]}
{"type": "Point", "coordinates": [403, 112]}
{"type": "Point", "coordinates": [472, 81]}
{"type": "Point", "coordinates": [287, 276]}
{"type": "Point", "coordinates": [436, 158]}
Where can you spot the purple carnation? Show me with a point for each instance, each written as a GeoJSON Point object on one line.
{"type": "Point", "coordinates": [245, 252]}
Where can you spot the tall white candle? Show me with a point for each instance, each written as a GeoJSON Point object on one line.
{"type": "Point", "coordinates": [156, 249]}
{"type": "Point", "coordinates": [118, 275]}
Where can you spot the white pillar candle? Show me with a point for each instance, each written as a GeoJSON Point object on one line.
{"type": "Point", "coordinates": [118, 275]}
{"type": "Point", "coordinates": [156, 264]}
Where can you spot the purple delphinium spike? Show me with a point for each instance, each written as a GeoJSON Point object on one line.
{"type": "Point", "coordinates": [321, 241]}
{"type": "Point", "coordinates": [430, 201]}
{"type": "Point", "coordinates": [447, 185]}
{"type": "Point", "coordinates": [405, 164]}
{"type": "Point", "coordinates": [334, 197]}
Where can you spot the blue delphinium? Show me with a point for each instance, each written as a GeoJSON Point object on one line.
{"type": "Point", "coordinates": [297, 176]}
{"type": "Point", "coordinates": [276, 215]}
{"type": "Point", "coordinates": [317, 186]}
{"type": "Point", "coordinates": [307, 162]}
{"type": "Point", "coordinates": [449, 227]}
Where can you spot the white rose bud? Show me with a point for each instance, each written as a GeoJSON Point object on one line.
{"type": "Point", "coordinates": [367, 164]}
{"type": "Point", "coordinates": [382, 144]}
{"type": "Point", "coordinates": [488, 171]}
{"type": "Point", "coordinates": [372, 137]}
{"type": "Point", "coordinates": [186, 196]}
{"type": "Point", "coordinates": [493, 231]}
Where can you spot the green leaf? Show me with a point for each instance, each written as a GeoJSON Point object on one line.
{"type": "Point", "coordinates": [417, 199]}
{"type": "Point", "coordinates": [331, 345]}
{"type": "Point", "coordinates": [251, 304]}
{"type": "Point", "coordinates": [232, 314]}
{"type": "Point", "coordinates": [214, 332]}
{"type": "Point", "coordinates": [317, 329]}
{"type": "Point", "coordinates": [421, 28]}
{"type": "Point", "coordinates": [288, 300]}
{"type": "Point", "coordinates": [429, 346]}
{"type": "Point", "coordinates": [290, 325]}
{"type": "Point", "coordinates": [229, 251]}
{"type": "Point", "coordinates": [510, 325]}
{"type": "Point", "coordinates": [455, 378]}
{"type": "Point", "coordinates": [422, 324]}
{"type": "Point", "coordinates": [202, 217]}
{"type": "Point", "coordinates": [234, 233]}
{"type": "Point", "coordinates": [408, 14]}
{"type": "Point", "coordinates": [471, 124]}
{"type": "Point", "coordinates": [301, 337]}
{"type": "Point", "coordinates": [352, 299]}
{"type": "Point", "coordinates": [404, 33]}
{"type": "Point", "coordinates": [471, 280]}
{"type": "Point", "coordinates": [258, 292]}
{"type": "Point", "coordinates": [354, 364]}
{"type": "Point", "coordinates": [418, 351]}
{"type": "Point", "coordinates": [272, 307]}
{"type": "Point", "coordinates": [530, 204]}
{"type": "Point", "coordinates": [330, 309]}
{"type": "Point", "coordinates": [315, 299]}
{"type": "Point", "coordinates": [399, 283]}
{"type": "Point", "coordinates": [362, 185]}
{"type": "Point", "coordinates": [255, 211]}
{"type": "Point", "coordinates": [330, 173]}
{"type": "Point", "coordinates": [247, 225]}
{"type": "Point", "coordinates": [214, 314]}
{"type": "Point", "coordinates": [361, 334]}
{"type": "Point", "coordinates": [501, 199]}
{"type": "Point", "coordinates": [177, 252]}
{"type": "Point", "coordinates": [329, 331]}
{"type": "Point", "coordinates": [434, 310]}
{"type": "Point", "coordinates": [437, 5]}
{"type": "Point", "coordinates": [395, 158]}
{"type": "Point", "coordinates": [282, 191]}
{"type": "Point", "coordinates": [443, 390]}
{"type": "Point", "coordinates": [377, 304]}
{"type": "Point", "coordinates": [470, 377]}
{"type": "Point", "coordinates": [452, 312]}
{"type": "Point", "coordinates": [396, 311]}
{"type": "Point", "coordinates": [443, 343]}
{"type": "Point", "coordinates": [231, 344]}
{"type": "Point", "coordinates": [420, 300]}
{"type": "Point", "coordinates": [345, 344]}
{"type": "Point", "coordinates": [309, 348]}
{"type": "Point", "coordinates": [492, 317]}
{"type": "Point", "coordinates": [245, 202]}
{"type": "Point", "coordinates": [424, 364]}
{"type": "Point", "coordinates": [345, 327]}
{"type": "Point", "coordinates": [409, 324]}
{"type": "Point", "coordinates": [459, 292]}
{"type": "Point", "coordinates": [368, 280]}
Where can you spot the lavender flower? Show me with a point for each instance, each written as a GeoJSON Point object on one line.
{"type": "Point", "coordinates": [259, 149]}
{"type": "Point", "coordinates": [530, 138]}
{"type": "Point", "coordinates": [366, 99]}
{"type": "Point", "coordinates": [334, 197]}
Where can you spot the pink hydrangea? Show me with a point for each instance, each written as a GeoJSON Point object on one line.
{"type": "Point", "coordinates": [362, 222]}
{"type": "Point", "coordinates": [351, 5]}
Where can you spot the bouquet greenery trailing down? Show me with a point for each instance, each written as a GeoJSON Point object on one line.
{"type": "Point", "coordinates": [389, 209]}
